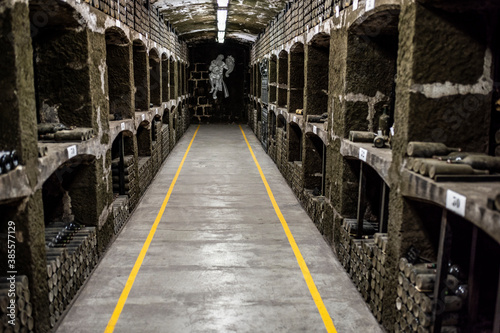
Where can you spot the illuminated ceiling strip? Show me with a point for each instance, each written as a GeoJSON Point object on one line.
{"type": "Point", "coordinates": [221, 19]}
{"type": "Point", "coordinates": [220, 36]}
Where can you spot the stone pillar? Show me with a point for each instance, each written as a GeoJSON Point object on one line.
{"type": "Point", "coordinates": [97, 74]}
{"type": "Point", "coordinates": [27, 214]}
{"type": "Point", "coordinates": [342, 174]}
{"type": "Point", "coordinates": [17, 94]}
{"type": "Point", "coordinates": [18, 131]}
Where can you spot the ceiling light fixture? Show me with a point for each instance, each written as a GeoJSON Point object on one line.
{"type": "Point", "coordinates": [221, 21]}
{"type": "Point", "coordinates": [221, 15]}
{"type": "Point", "coordinates": [222, 3]}
{"type": "Point", "coordinates": [221, 25]}
{"type": "Point", "coordinates": [220, 36]}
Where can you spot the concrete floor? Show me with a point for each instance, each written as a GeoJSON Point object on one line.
{"type": "Point", "coordinates": [220, 260]}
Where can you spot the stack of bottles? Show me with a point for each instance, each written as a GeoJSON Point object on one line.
{"type": "Point", "coordinates": [9, 160]}
{"type": "Point", "coordinates": [71, 251]}
{"type": "Point", "coordinates": [415, 302]}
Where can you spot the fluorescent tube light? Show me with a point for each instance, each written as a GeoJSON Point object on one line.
{"type": "Point", "coordinates": [221, 15]}
{"type": "Point", "coordinates": [222, 3]}
{"type": "Point", "coordinates": [221, 25]}
{"type": "Point", "coordinates": [220, 36]}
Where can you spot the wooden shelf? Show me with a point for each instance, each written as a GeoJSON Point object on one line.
{"type": "Point", "coordinates": [379, 159]}
{"type": "Point", "coordinates": [476, 197]}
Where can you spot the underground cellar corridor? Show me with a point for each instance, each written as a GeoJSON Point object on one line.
{"type": "Point", "coordinates": [220, 259]}
{"type": "Point", "coordinates": [375, 124]}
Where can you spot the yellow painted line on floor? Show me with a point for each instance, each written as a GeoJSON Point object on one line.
{"type": "Point", "coordinates": [327, 320]}
{"type": "Point", "coordinates": [133, 274]}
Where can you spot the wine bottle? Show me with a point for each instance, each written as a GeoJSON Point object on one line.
{"type": "Point", "coordinates": [360, 136]}
{"type": "Point", "coordinates": [6, 162]}
{"type": "Point", "coordinates": [481, 162]}
{"type": "Point", "coordinates": [14, 158]}
{"type": "Point", "coordinates": [428, 149]}
{"type": "Point", "coordinates": [383, 121]}
{"type": "Point", "coordinates": [453, 169]}
{"type": "Point", "coordinates": [455, 156]}
{"type": "Point", "coordinates": [456, 270]}
{"type": "Point", "coordinates": [462, 291]}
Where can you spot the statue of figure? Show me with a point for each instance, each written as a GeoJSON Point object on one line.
{"type": "Point", "coordinates": [216, 68]}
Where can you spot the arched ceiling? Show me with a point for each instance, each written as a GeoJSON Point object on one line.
{"type": "Point", "coordinates": [196, 20]}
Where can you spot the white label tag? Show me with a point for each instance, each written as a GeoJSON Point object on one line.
{"type": "Point", "coordinates": [392, 131]}
{"type": "Point", "coordinates": [362, 154]}
{"type": "Point", "coordinates": [370, 4]}
{"type": "Point", "coordinates": [118, 23]}
{"type": "Point", "coordinates": [143, 116]}
{"type": "Point", "coordinates": [337, 11]}
{"type": "Point", "coordinates": [122, 126]}
{"type": "Point", "coordinates": [281, 111]}
{"type": "Point", "coordinates": [72, 151]}
{"type": "Point", "coordinates": [294, 119]}
{"type": "Point", "coordinates": [317, 28]}
{"type": "Point", "coordinates": [155, 44]}
{"type": "Point", "coordinates": [315, 130]}
{"type": "Point", "coordinates": [455, 202]}
{"type": "Point", "coordinates": [140, 36]}
{"type": "Point", "coordinates": [156, 111]}
{"type": "Point", "coordinates": [355, 4]}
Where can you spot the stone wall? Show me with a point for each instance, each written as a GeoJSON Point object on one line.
{"type": "Point", "coordinates": [81, 75]}
{"type": "Point", "coordinates": [429, 65]}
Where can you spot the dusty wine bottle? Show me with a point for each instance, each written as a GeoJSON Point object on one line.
{"type": "Point", "coordinates": [428, 149]}
{"type": "Point", "coordinates": [383, 121]}
{"type": "Point", "coordinates": [453, 169]}
{"type": "Point", "coordinates": [360, 136]}
{"type": "Point", "coordinates": [5, 161]}
{"type": "Point", "coordinates": [481, 162]}
{"type": "Point", "coordinates": [45, 128]}
{"type": "Point", "coordinates": [454, 156]}
{"type": "Point", "coordinates": [462, 291]}
{"type": "Point", "coordinates": [14, 158]}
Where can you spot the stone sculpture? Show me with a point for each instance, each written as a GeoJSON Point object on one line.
{"type": "Point", "coordinates": [216, 76]}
